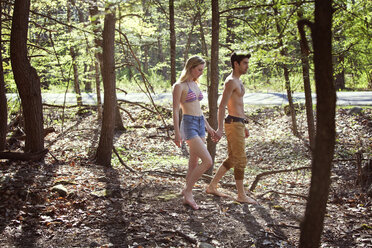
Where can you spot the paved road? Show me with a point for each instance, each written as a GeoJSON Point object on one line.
{"type": "Point", "coordinates": [343, 98]}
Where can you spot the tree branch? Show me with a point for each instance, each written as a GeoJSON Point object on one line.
{"type": "Point", "coordinates": [266, 173]}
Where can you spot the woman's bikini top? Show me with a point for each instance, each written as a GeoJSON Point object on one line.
{"type": "Point", "coordinates": [191, 96]}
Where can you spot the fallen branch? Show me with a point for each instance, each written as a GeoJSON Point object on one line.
{"type": "Point", "coordinates": [127, 112]}
{"type": "Point", "coordinates": [121, 161]}
{"type": "Point", "coordinates": [69, 106]}
{"type": "Point", "coordinates": [158, 136]}
{"type": "Point", "coordinates": [137, 104]}
{"type": "Point", "coordinates": [284, 225]}
{"type": "Point", "coordinates": [266, 173]}
{"type": "Point", "coordinates": [46, 132]}
{"type": "Point", "coordinates": [24, 156]}
{"type": "Point", "coordinates": [282, 193]}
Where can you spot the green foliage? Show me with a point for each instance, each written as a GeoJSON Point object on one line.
{"type": "Point", "coordinates": [267, 29]}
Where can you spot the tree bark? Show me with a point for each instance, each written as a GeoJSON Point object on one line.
{"type": "Point", "coordinates": [26, 78]}
{"type": "Point", "coordinates": [340, 76]}
{"type": "Point", "coordinates": [3, 102]}
{"type": "Point", "coordinates": [93, 12]}
{"type": "Point", "coordinates": [284, 53]}
{"type": "Point", "coordinates": [73, 58]}
{"type": "Point", "coordinates": [307, 86]}
{"type": "Point", "coordinates": [172, 42]}
{"type": "Point", "coordinates": [189, 37]}
{"type": "Point", "coordinates": [105, 145]}
{"type": "Point", "coordinates": [213, 87]}
{"type": "Point", "coordinates": [312, 226]}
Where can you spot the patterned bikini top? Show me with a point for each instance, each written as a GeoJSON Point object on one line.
{"type": "Point", "coordinates": [191, 96]}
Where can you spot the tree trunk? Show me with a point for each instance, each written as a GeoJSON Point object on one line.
{"type": "Point", "coordinates": [26, 78]}
{"type": "Point", "coordinates": [161, 58]}
{"type": "Point", "coordinates": [188, 43]}
{"type": "Point", "coordinates": [204, 47]}
{"type": "Point", "coordinates": [105, 145]}
{"type": "Point", "coordinates": [284, 53]}
{"type": "Point", "coordinates": [307, 86]}
{"type": "Point", "coordinates": [98, 87]}
{"type": "Point", "coordinates": [73, 58]}
{"type": "Point", "coordinates": [213, 87]}
{"type": "Point", "coordinates": [312, 226]}
{"type": "Point", "coordinates": [340, 76]}
{"type": "Point", "coordinates": [93, 12]}
{"type": "Point", "coordinates": [3, 102]}
{"type": "Point", "coordinates": [119, 126]}
{"type": "Point", "coordinates": [172, 42]}
{"type": "Point", "coordinates": [289, 96]}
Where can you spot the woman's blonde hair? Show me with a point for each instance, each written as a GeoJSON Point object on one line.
{"type": "Point", "coordinates": [191, 63]}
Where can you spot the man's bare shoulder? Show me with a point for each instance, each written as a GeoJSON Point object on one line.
{"type": "Point", "coordinates": [231, 82]}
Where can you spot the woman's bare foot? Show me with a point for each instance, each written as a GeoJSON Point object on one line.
{"type": "Point", "coordinates": [188, 199]}
{"type": "Point", "coordinates": [246, 199]}
{"type": "Point", "coordinates": [214, 191]}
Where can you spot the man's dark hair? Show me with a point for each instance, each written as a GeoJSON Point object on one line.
{"type": "Point", "coordinates": [238, 56]}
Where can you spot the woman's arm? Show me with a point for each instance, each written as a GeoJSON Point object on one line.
{"type": "Point", "coordinates": [177, 92]}
{"type": "Point", "coordinates": [208, 127]}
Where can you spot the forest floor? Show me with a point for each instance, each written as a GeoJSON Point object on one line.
{"type": "Point", "coordinates": [68, 201]}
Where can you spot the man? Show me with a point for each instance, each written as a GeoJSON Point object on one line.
{"type": "Point", "coordinates": [236, 131]}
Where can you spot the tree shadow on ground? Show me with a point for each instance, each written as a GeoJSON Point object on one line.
{"type": "Point", "coordinates": [23, 197]}
{"type": "Point", "coordinates": [115, 228]}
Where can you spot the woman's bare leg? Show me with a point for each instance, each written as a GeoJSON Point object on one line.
{"type": "Point", "coordinates": [197, 149]}
{"type": "Point", "coordinates": [193, 163]}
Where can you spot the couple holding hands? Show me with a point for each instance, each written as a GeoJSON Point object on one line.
{"type": "Point", "coordinates": [187, 95]}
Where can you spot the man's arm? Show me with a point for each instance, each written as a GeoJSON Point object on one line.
{"type": "Point", "coordinates": [227, 92]}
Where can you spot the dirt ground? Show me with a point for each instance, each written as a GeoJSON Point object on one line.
{"type": "Point", "coordinates": [68, 201]}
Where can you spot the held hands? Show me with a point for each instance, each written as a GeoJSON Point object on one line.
{"type": "Point", "coordinates": [246, 132]}
{"type": "Point", "coordinates": [216, 135]}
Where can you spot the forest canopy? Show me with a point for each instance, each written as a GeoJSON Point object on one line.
{"type": "Point", "coordinates": [264, 28]}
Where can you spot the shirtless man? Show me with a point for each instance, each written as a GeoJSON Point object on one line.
{"type": "Point", "coordinates": [236, 131]}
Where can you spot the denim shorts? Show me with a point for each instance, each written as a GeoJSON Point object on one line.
{"type": "Point", "coordinates": [192, 126]}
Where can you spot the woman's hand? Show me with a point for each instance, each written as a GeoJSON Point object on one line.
{"type": "Point", "coordinates": [177, 139]}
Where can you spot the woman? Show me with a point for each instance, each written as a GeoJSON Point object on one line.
{"type": "Point", "coordinates": [187, 95]}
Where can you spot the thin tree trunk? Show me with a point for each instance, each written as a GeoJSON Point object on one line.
{"type": "Point", "coordinates": [93, 11]}
{"type": "Point", "coordinates": [307, 86]}
{"type": "Point", "coordinates": [172, 42]}
{"type": "Point", "coordinates": [105, 145]}
{"type": "Point", "coordinates": [26, 78]}
{"type": "Point", "coordinates": [312, 226]}
{"type": "Point", "coordinates": [340, 76]}
{"type": "Point", "coordinates": [98, 87]}
{"type": "Point", "coordinates": [73, 58]}
{"type": "Point", "coordinates": [188, 43]}
{"type": "Point", "coordinates": [213, 87]}
{"type": "Point", "coordinates": [204, 47]}
{"type": "Point", "coordinates": [3, 102]}
{"type": "Point", "coordinates": [283, 52]}
{"type": "Point", "coordinates": [161, 58]}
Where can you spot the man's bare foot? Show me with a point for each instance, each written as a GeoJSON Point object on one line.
{"type": "Point", "coordinates": [188, 199]}
{"type": "Point", "coordinates": [214, 191]}
{"type": "Point", "coordinates": [246, 199]}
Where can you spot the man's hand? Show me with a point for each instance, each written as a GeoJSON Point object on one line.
{"type": "Point", "coordinates": [246, 132]}
{"type": "Point", "coordinates": [217, 135]}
